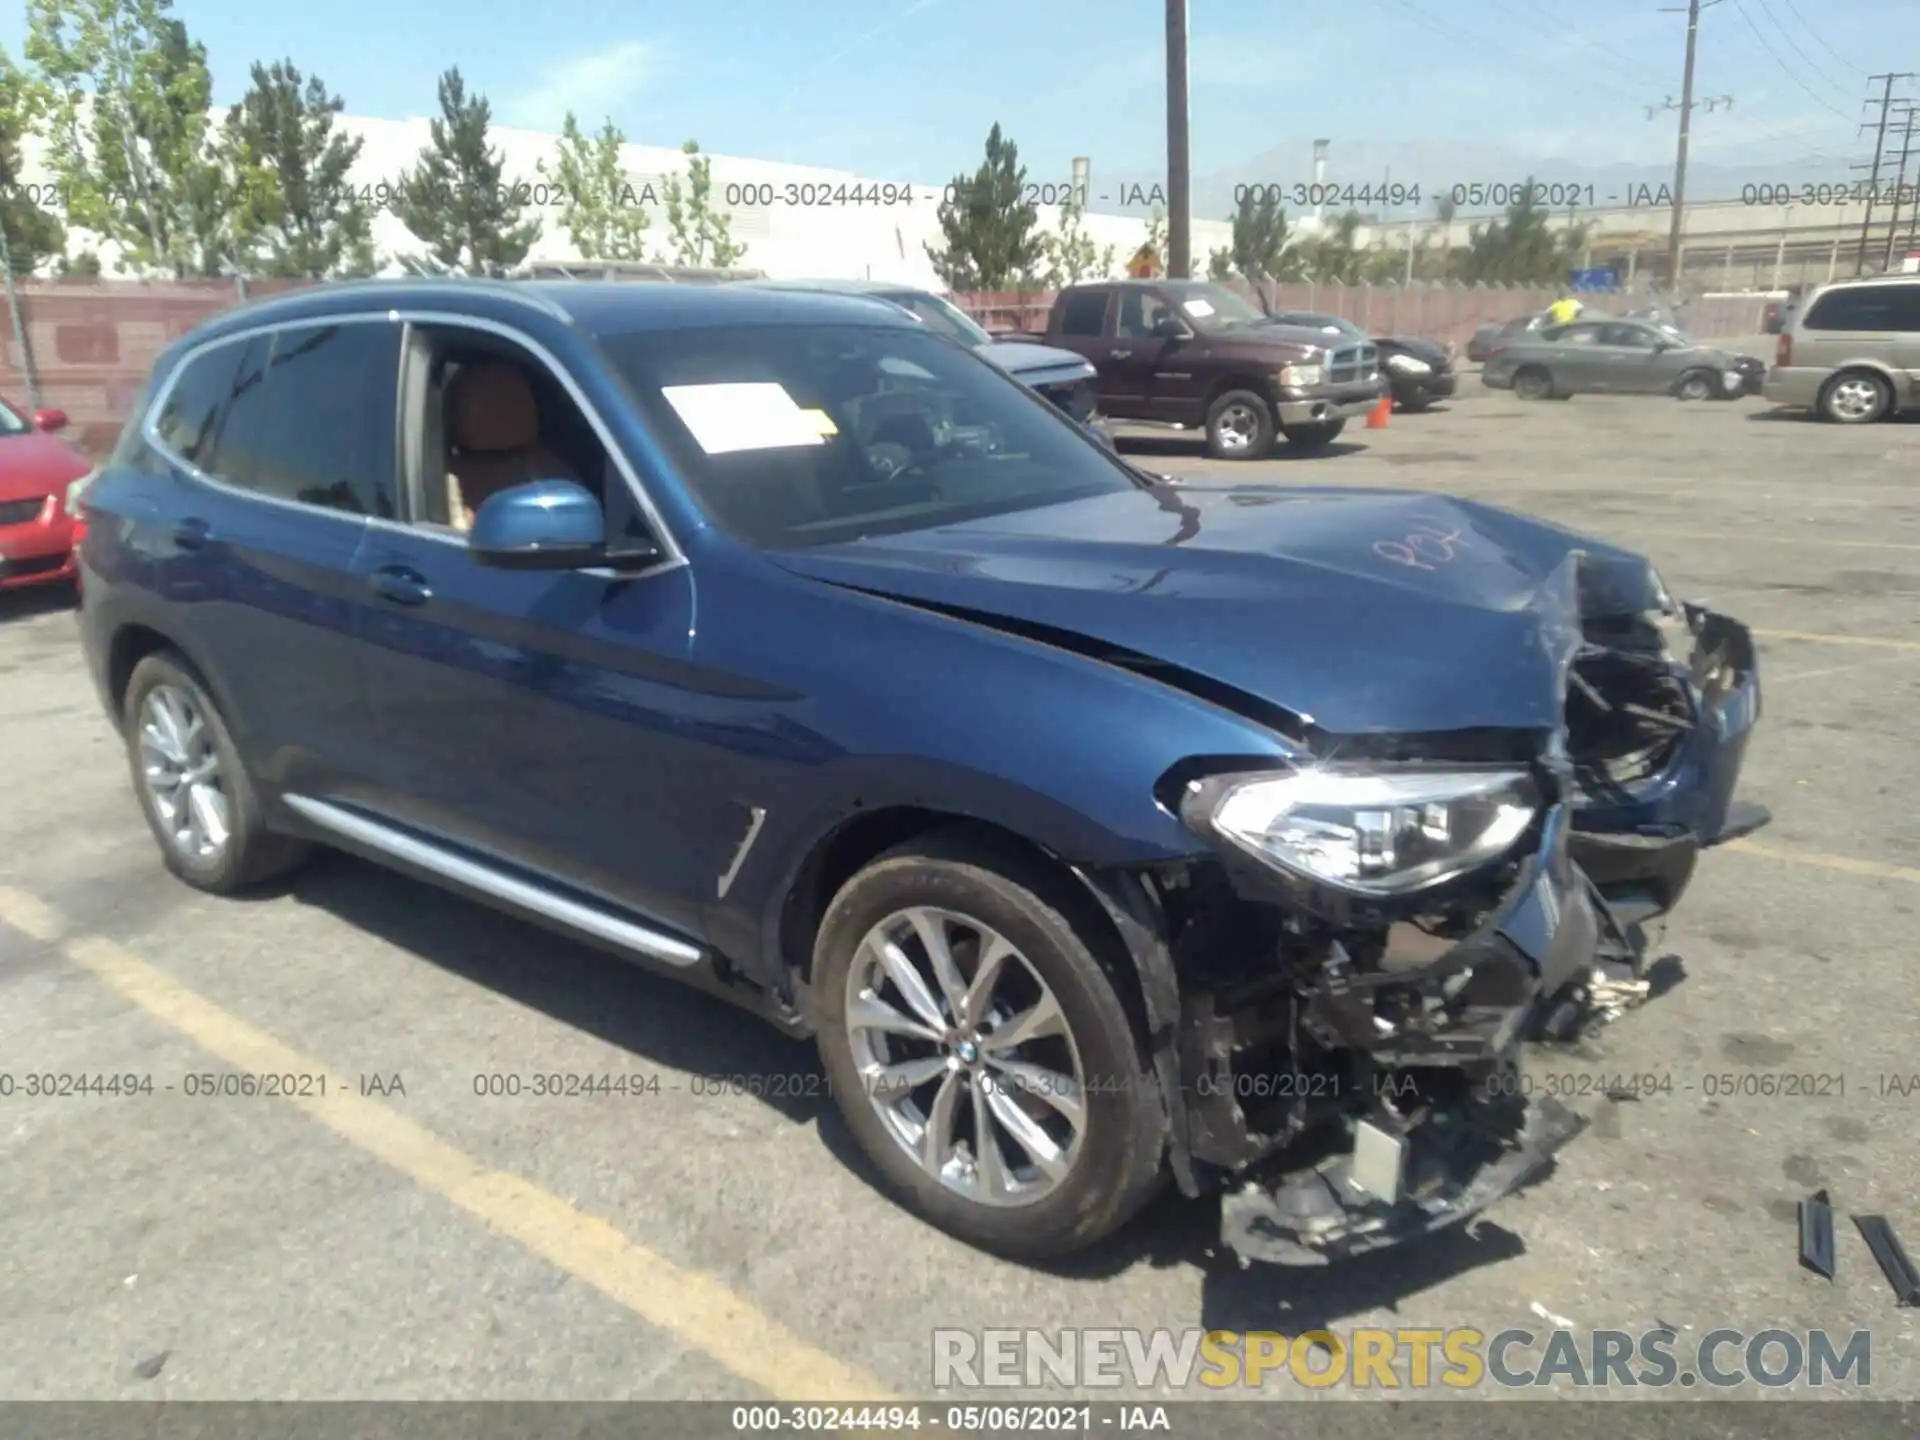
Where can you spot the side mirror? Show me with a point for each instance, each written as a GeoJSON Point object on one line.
{"type": "Point", "coordinates": [50, 420]}
{"type": "Point", "coordinates": [1168, 328]}
{"type": "Point", "coordinates": [544, 525]}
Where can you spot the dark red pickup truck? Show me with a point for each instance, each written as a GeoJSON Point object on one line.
{"type": "Point", "coordinates": [1195, 355]}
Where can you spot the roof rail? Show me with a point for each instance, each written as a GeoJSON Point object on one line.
{"type": "Point", "coordinates": [505, 289]}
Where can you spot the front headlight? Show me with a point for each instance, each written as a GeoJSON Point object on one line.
{"type": "Point", "coordinates": [1378, 833]}
{"type": "Point", "coordinates": [1295, 376]}
{"type": "Point", "coordinates": [1407, 365]}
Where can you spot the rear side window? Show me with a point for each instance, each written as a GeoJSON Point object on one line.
{"type": "Point", "coordinates": [1084, 313]}
{"type": "Point", "coordinates": [1867, 307]}
{"type": "Point", "coordinates": [310, 417]}
{"type": "Point", "coordinates": [186, 420]}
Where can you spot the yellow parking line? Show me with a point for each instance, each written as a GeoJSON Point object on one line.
{"type": "Point", "coordinates": [1877, 869]}
{"type": "Point", "coordinates": [697, 1309]}
{"type": "Point", "coordinates": [1793, 539]}
{"type": "Point", "coordinates": [1878, 642]}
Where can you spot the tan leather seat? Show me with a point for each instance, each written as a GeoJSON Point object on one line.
{"type": "Point", "coordinates": [494, 427]}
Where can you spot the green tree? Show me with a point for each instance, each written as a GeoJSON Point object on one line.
{"type": "Point", "coordinates": [698, 235]}
{"type": "Point", "coordinates": [1331, 256]}
{"type": "Point", "coordinates": [990, 240]}
{"type": "Point", "coordinates": [599, 208]}
{"type": "Point", "coordinates": [1071, 255]}
{"type": "Point", "coordinates": [454, 199]}
{"type": "Point", "coordinates": [1259, 247]}
{"type": "Point", "coordinates": [34, 234]}
{"type": "Point", "coordinates": [127, 95]}
{"type": "Point", "coordinates": [84, 266]}
{"type": "Point", "coordinates": [1522, 247]}
{"type": "Point", "coordinates": [297, 216]}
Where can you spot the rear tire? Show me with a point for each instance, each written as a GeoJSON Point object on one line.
{"type": "Point", "coordinates": [1533, 382]}
{"type": "Point", "coordinates": [983, 900]}
{"type": "Point", "coordinates": [1855, 397]}
{"type": "Point", "coordinates": [1315, 436]}
{"type": "Point", "coordinates": [1240, 427]}
{"type": "Point", "coordinates": [199, 801]}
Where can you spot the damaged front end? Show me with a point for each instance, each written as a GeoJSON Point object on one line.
{"type": "Point", "coordinates": [1339, 1000]}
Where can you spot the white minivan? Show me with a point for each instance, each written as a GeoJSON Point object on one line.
{"type": "Point", "coordinates": [1851, 353]}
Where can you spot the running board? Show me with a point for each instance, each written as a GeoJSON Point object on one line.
{"type": "Point", "coordinates": [490, 880]}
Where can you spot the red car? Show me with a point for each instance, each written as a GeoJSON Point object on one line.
{"type": "Point", "coordinates": [37, 536]}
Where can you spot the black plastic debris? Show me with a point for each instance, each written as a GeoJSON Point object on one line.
{"type": "Point", "coordinates": [1894, 1263]}
{"type": "Point", "coordinates": [1816, 1233]}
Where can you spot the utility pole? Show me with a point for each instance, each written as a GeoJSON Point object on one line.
{"type": "Point", "coordinates": [1179, 188]}
{"type": "Point", "coordinates": [1879, 146]}
{"type": "Point", "coordinates": [1694, 7]}
{"type": "Point", "coordinates": [1899, 188]}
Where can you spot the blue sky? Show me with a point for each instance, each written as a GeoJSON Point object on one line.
{"type": "Point", "coordinates": [905, 89]}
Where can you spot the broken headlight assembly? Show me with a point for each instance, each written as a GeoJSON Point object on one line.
{"type": "Point", "coordinates": [1374, 833]}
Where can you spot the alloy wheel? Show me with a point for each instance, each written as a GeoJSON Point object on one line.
{"type": "Point", "coordinates": [1854, 398]}
{"type": "Point", "coordinates": [1237, 428]}
{"type": "Point", "coordinates": [966, 1056]}
{"type": "Point", "coordinates": [181, 770]}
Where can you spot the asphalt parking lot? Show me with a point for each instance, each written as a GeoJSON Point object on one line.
{"type": "Point", "coordinates": [411, 1239]}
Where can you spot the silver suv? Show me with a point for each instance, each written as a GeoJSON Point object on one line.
{"type": "Point", "coordinates": [1852, 352]}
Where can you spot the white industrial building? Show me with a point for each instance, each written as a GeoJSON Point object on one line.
{"type": "Point", "coordinates": [785, 240]}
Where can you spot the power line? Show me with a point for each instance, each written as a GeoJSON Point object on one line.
{"type": "Point", "coordinates": [1848, 64]}
{"type": "Point", "coordinates": [1899, 186]}
{"type": "Point", "coordinates": [1475, 42]}
{"type": "Point", "coordinates": [1784, 35]}
{"type": "Point", "coordinates": [1787, 69]}
{"type": "Point", "coordinates": [1680, 154]}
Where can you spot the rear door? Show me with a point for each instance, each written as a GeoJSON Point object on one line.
{"type": "Point", "coordinates": [1574, 355]}
{"type": "Point", "coordinates": [1855, 323]}
{"type": "Point", "coordinates": [1086, 328]}
{"type": "Point", "coordinates": [282, 447]}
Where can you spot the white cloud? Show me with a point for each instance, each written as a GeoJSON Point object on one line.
{"type": "Point", "coordinates": [592, 86]}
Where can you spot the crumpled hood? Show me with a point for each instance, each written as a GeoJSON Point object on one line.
{"type": "Point", "coordinates": [1361, 612]}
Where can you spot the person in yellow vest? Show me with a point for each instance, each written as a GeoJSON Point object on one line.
{"type": "Point", "coordinates": [1564, 311]}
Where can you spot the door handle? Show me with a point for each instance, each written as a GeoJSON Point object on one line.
{"type": "Point", "coordinates": [1122, 354]}
{"type": "Point", "coordinates": [191, 534]}
{"type": "Point", "coordinates": [401, 585]}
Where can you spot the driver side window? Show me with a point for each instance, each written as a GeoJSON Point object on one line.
{"type": "Point", "coordinates": [1140, 311]}
{"type": "Point", "coordinates": [484, 416]}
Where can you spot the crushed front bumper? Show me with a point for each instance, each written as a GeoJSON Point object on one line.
{"type": "Point", "coordinates": [1603, 865]}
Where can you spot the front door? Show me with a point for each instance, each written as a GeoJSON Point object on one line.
{"type": "Point", "coordinates": [537, 719]}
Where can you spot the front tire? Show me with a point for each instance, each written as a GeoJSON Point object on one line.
{"type": "Point", "coordinates": [1239, 427]}
{"type": "Point", "coordinates": [963, 991]}
{"type": "Point", "coordinates": [1695, 385]}
{"type": "Point", "coordinates": [1855, 397]}
{"type": "Point", "coordinates": [1316, 436]}
{"type": "Point", "coordinates": [199, 801]}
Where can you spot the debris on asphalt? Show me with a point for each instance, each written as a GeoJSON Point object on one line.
{"type": "Point", "coordinates": [1557, 1321]}
{"type": "Point", "coordinates": [1894, 1264]}
{"type": "Point", "coordinates": [1816, 1233]}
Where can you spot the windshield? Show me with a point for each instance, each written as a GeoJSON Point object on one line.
{"type": "Point", "coordinates": [1675, 333]}
{"type": "Point", "coordinates": [10, 421]}
{"type": "Point", "coordinates": [943, 315]}
{"type": "Point", "coordinates": [802, 435]}
{"type": "Point", "coordinates": [1213, 307]}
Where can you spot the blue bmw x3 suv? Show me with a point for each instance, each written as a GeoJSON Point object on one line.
{"type": "Point", "coordinates": [1105, 831]}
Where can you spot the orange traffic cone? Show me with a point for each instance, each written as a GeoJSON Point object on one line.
{"type": "Point", "coordinates": [1377, 417]}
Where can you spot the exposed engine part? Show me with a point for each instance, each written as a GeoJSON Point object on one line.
{"type": "Point", "coordinates": [1627, 714]}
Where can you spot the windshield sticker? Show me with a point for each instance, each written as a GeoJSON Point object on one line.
{"type": "Point", "coordinates": [1199, 309]}
{"type": "Point", "coordinates": [757, 415]}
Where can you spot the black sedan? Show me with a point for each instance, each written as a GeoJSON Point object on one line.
{"type": "Point", "coordinates": [1418, 371]}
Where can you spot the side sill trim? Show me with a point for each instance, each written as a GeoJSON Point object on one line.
{"type": "Point", "coordinates": [587, 919]}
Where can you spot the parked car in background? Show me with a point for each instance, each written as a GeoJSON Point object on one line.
{"type": "Point", "coordinates": [1067, 379]}
{"type": "Point", "coordinates": [1851, 353]}
{"type": "Point", "coordinates": [1612, 357]}
{"type": "Point", "coordinates": [1196, 356]}
{"type": "Point", "coordinates": [1101, 834]}
{"type": "Point", "coordinates": [1418, 371]}
{"type": "Point", "coordinates": [1487, 337]}
{"type": "Point", "coordinates": [37, 532]}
